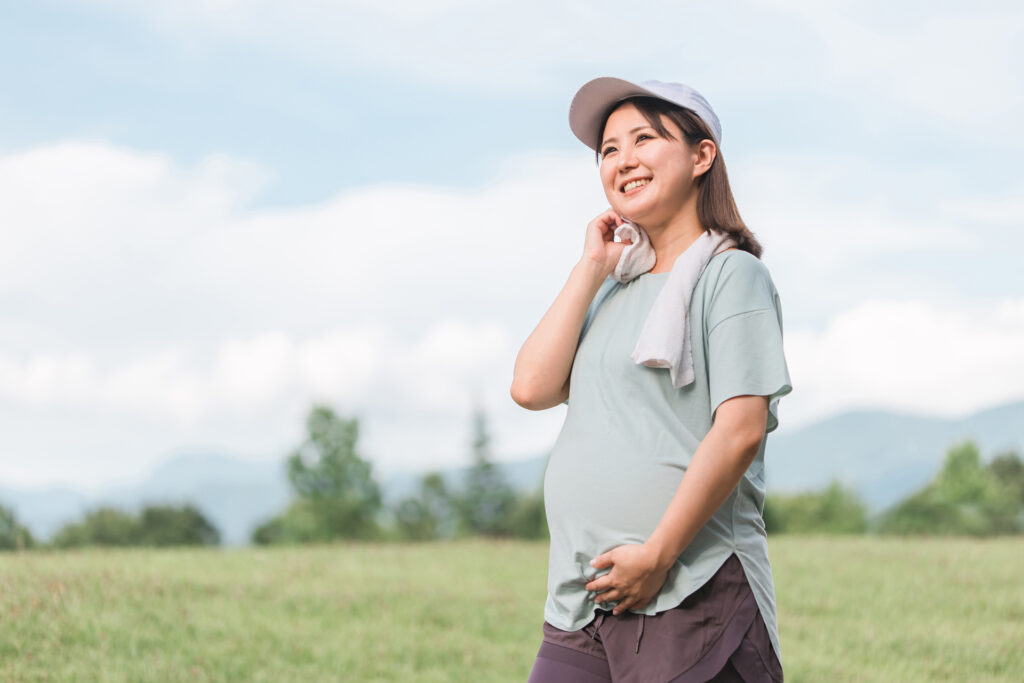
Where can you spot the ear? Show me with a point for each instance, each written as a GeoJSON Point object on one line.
{"type": "Point", "coordinates": [705, 156]}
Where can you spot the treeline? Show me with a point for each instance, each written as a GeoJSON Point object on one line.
{"type": "Point", "coordinates": [335, 497]}
{"type": "Point", "coordinates": [154, 525]}
{"type": "Point", "coordinates": [965, 497]}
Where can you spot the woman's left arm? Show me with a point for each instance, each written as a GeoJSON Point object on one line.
{"type": "Point", "coordinates": [639, 570]}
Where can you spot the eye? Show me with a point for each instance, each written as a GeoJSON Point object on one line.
{"type": "Point", "coordinates": [644, 136]}
{"type": "Point", "coordinates": [606, 151]}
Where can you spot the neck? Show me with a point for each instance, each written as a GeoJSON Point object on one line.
{"type": "Point", "coordinates": [673, 237]}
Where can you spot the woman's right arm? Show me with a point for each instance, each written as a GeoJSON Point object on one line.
{"type": "Point", "coordinates": [540, 379]}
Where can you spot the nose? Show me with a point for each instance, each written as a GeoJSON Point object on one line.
{"type": "Point", "coordinates": [627, 158]}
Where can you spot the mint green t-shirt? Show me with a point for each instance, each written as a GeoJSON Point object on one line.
{"type": "Point", "coordinates": [629, 435]}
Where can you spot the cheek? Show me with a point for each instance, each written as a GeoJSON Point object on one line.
{"type": "Point", "coordinates": [678, 166]}
{"type": "Point", "coordinates": [674, 174]}
{"type": "Point", "coordinates": [608, 184]}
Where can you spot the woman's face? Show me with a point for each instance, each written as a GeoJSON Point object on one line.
{"type": "Point", "coordinates": [647, 177]}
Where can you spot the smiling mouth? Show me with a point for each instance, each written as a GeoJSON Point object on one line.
{"type": "Point", "coordinates": [634, 185]}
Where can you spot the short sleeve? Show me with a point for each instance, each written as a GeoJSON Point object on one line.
{"type": "Point", "coordinates": [603, 292]}
{"type": "Point", "coordinates": [744, 341]}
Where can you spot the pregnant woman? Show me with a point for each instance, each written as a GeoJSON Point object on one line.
{"type": "Point", "coordinates": [666, 345]}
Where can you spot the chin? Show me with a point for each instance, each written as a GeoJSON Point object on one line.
{"type": "Point", "coordinates": [647, 215]}
{"type": "Point", "coordinates": [637, 217]}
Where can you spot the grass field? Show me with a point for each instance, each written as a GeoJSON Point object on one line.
{"type": "Point", "coordinates": [850, 609]}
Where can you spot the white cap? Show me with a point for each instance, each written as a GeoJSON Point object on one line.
{"type": "Point", "coordinates": [593, 101]}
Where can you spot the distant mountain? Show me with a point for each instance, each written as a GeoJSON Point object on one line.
{"type": "Point", "coordinates": [882, 455]}
{"type": "Point", "coordinates": [44, 511]}
{"type": "Point", "coordinates": [234, 493]}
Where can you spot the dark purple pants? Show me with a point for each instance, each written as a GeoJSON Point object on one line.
{"type": "Point", "coordinates": [716, 634]}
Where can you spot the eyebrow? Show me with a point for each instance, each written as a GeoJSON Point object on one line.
{"type": "Point", "coordinates": [607, 140]}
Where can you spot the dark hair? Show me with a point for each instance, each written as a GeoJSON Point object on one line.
{"type": "Point", "coordinates": [716, 208]}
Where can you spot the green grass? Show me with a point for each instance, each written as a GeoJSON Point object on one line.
{"type": "Point", "coordinates": [850, 609]}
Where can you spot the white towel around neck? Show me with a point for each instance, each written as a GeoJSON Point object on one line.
{"type": "Point", "coordinates": [665, 338]}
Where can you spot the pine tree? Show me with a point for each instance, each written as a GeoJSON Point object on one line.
{"type": "Point", "coordinates": [487, 502]}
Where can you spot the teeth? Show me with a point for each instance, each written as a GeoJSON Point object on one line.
{"type": "Point", "coordinates": [634, 183]}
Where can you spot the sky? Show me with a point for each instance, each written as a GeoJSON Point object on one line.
{"type": "Point", "coordinates": [215, 213]}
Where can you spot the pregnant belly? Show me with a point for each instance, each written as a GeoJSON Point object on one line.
{"type": "Point", "coordinates": [615, 501]}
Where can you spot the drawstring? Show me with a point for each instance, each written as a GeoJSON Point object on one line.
{"type": "Point", "coordinates": [597, 622]}
{"type": "Point", "coordinates": [639, 627]}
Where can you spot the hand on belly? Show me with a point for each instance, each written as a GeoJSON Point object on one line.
{"type": "Point", "coordinates": [635, 577]}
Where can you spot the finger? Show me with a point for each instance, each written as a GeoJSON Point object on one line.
{"type": "Point", "coordinates": [610, 220]}
{"type": "Point", "coordinates": [599, 584]}
{"type": "Point", "coordinates": [608, 217]}
{"type": "Point", "coordinates": [624, 604]}
{"type": "Point", "coordinates": [602, 561]}
{"type": "Point", "coordinates": [606, 591]}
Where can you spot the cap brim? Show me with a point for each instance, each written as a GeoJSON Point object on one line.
{"type": "Point", "coordinates": [592, 102]}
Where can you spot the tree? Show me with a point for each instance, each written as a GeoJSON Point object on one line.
{"type": "Point", "coordinates": [836, 510]}
{"type": "Point", "coordinates": [156, 525]}
{"type": "Point", "coordinates": [528, 518]}
{"type": "Point", "coordinates": [486, 500]}
{"type": "Point", "coordinates": [105, 526]}
{"type": "Point", "coordinates": [772, 514]}
{"type": "Point", "coordinates": [13, 536]}
{"type": "Point", "coordinates": [167, 525]}
{"type": "Point", "coordinates": [429, 515]}
{"type": "Point", "coordinates": [299, 523]}
{"type": "Point", "coordinates": [964, 498]}
{"type": "Point", "coordinates": [1008, 469]}
{"type": "Point", "coordinates": [336, 495]}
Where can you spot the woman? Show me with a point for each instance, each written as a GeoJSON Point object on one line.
{"type": "Point", "coordinates": [654, 489]}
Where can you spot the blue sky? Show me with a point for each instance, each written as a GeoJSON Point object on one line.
{"type": "Point", "coordinates": [216, 212]}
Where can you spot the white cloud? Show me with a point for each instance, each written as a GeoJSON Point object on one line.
{"type": "Point", "coordinates": [843, 209]}
{"type": "Point", "coordinates": [270, 372]}
{"type": "Point", "coordinates": [461, 43]}
{"type": "Point", "coordinates": [149, 293]}
{"type": "Point", "coordinates": [141, 292]}
{"type": "Point", "coordinates": [952, 65]}
{"type": "Point", "coordinates": [909, 356]}
{"type": "Point", "coordinates": [959, 65]}
{"type": "Point", "coordinates": [122, 208]}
